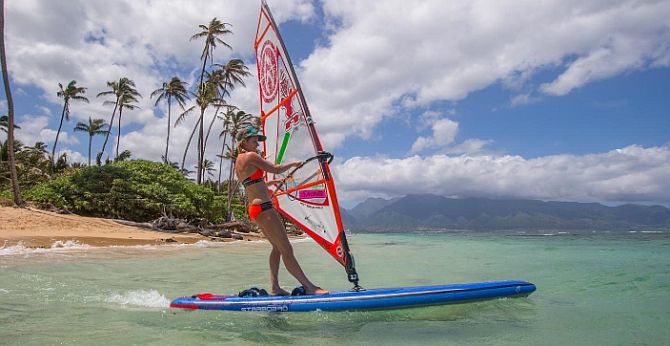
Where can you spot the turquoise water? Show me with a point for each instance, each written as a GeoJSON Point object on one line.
{"type": "Point", "coordinates": [592, 290]}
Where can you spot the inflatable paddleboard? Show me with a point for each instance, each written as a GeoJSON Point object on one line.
{"type": "Point", "coordinates": [372, 299]}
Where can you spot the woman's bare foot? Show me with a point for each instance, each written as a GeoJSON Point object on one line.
{"type": "Point", "coordinates": [279, 292]}
{"type": "Point", "coordinates": [316, 290]}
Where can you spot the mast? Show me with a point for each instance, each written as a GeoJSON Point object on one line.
{"type": "Point", "coordinates": [349, 264]}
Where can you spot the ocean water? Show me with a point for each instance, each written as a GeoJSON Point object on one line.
{"type": "Point", "coordinates": [594, 289]}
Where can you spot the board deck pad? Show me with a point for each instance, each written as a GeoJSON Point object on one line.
{"type": "Point", "coordinates": [371, 299]}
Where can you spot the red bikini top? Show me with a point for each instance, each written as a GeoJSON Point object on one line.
{"type": "Point", "coordinates": [254, 178]}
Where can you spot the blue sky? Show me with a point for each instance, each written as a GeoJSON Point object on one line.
{"type": "Point", "coordinates": [558, 100]}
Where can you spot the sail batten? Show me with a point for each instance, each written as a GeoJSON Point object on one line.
{"type": "Point", "coordinates": [306, 196]}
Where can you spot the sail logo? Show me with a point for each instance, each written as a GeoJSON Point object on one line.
{"type": "Point", "coordinates": [267, 72]}
{"type": "Point", "coordinates": [315, 225]}
{"type": "Point", "coordinates": [291, 112]}
{"type": "Point", "coordinates": [312, 194]}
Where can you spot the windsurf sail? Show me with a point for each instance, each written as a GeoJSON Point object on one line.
{"type": "Point", "coordinates": [306, 195]}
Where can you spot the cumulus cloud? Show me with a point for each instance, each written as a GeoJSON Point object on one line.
{"type": "Point", "coordinates": [472, 147]}
{"type": "Point", "coordinates": [630, 174]}
{"type": "Point", "coordinates": [373, 65]}
{"type": "Point", "coordinates": [34, 128]}
{"type": "Point", "coordinates": [444, 133]}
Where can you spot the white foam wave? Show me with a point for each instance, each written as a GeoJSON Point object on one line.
{"type": "Point", "coordinates": [69, 244]}
{"type": "Point", "coordinates": [57, 246]}
{"type": "Point", "coordinates": [303, 240]}
{"type": "Point", "coordinates": [150, 298]}
{"type": "Point", "coordinates": [208, 244]}
{"type": "Point", "coordinates": [74, 245]}
{"type": "Point", "coordinates": [2, 290]}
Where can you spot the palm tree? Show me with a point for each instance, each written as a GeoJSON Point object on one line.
{"type": "Point", "coordinates": [61, 163]}
{"type": "Point", "coordinates": [4, 149]}
{"type": "Point", "coordinates": [211, 35]}
{"type": "Point", "coordinates": [40, 148]}
{"type": "Point", "coordinates": [176, 89]}
{"type": "Point", "coordinates": [208, 167]}
{"type": "Point", "coordinates": [4, 124]}
{"type": "Point", "coordinates": [126, 101]}
{"type": "Point", "coordinates": [226, 78]}
{"type": "Point", "coordinates": [118, 89]}
{"type": "Point", "coordinates": [238, 121]}
{"type": "Point", "coordinates": [10, 113]}
{"type": "Point", "coordinates": [71, 93]}
{"type": "Point", "coordinates": [124, 156]}
{"type": "Point", "coordinates": [205, 97]}
{"type": "Point", "coordinates": [94, 127]}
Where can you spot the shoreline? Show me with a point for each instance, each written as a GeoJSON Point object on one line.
{"type": "Point", "coordinates": [36, 228]}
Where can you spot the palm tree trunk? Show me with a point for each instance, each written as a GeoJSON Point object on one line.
{"type": "Point", "coordinates": [167, 142]}
{"type": "Point", "coordinates": [230, 191]}
{"type": "Point", "coordinates": [10, 112]}
{"type": "Point", "coordinates": [118, 138]}
{"type": "Point", "coordinates": [223, 148]}
{"type": "Point", "coordinates": [53, 150]}
{"type": "Point", "coordinates": [201, 120]}
{"type": "Point", "coordinates": [209, 129]}
{"type": "Point", "coordinates": [201, 153]}
{"type": "Point", "coordinates": [90, 140]}
{"type": "Point", "coordinates": [188, 144]}
{"type": "Point", "coordinates": [111, 123]}
{"type": "Point", "coordinates": [230, 180]}
{"type": "Point", "coordinates": [204, 65]}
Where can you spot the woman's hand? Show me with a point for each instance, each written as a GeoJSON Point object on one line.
{"type": "Point", "coordinates": [275, 182]}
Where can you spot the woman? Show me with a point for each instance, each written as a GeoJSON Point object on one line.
{"type": "Point", "coordinates": [249, 167]}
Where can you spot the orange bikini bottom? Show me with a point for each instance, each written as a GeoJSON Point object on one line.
{"type": "Point", "coordinates": [256, 209]}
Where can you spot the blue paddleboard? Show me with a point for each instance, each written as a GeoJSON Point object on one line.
{"type": "Point", "coordinates": [372, 299]}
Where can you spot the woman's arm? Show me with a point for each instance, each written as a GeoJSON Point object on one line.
{"type": "Point", "coordinates": [267, 166]}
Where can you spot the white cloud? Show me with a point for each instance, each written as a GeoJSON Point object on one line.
{"type": "Point", "coordinates": [471, 147]}
{"type": "Point", "coordinates": [427, 119]}
{"type": "Point", "coordinates": [34, 129]}
{"type": "Point", "coordinates": [523, 99]}
{"type": "Point", "coordinates": [444, 133]}
{"type": "Point", "coordinates": [630, 174]}
{"type": "Point", "coordinates": [375, 62]}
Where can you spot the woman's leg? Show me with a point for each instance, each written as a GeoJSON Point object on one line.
{"type": "Point", "coordinates": [276, 233]}
{"type": "Point", "coordinates": [275, 289]}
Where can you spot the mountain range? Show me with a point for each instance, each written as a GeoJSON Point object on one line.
{"type": "Point", "coordinates": [432, 212]}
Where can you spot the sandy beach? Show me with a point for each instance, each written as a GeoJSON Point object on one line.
{"type": "Point", "coordinates": [39, 228]}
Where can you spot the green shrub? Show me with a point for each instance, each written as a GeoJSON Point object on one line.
{"type": "Point", "coordinates": [134, 190]}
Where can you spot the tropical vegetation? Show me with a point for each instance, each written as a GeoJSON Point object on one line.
{"type": "Point", "coordinates": [135, 190]}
